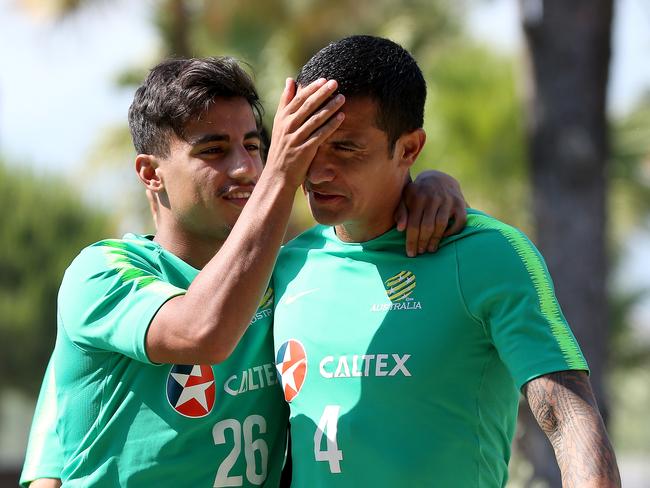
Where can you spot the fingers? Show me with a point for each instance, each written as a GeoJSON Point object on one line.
{"type": "Point", "coordinates": [291, 101]}
{"type": "Point", "coordinates": [416, 208]}
{"type": "Point", "coordinates": [318, 121]}
{"type": "Point", "coordinates": [436, 208]}
{"type": "Point", "coordinates": [459, 215]}
{"type": "Point", "coordinates": [303, 93]}
{"type": "Point", "coordinates": [458, 210]}
{"type": "Point", "coordinates": [427, 228]}
{"type": "Point", "coordinates": [306, 116]}
{"type": "Point", "coordinates": [304, 110]}
{"type": "Point", "coordinates": [310, 116]}
{"type": "Point", "coordinates": [308, 99]}
{"type": "Point", "coordinates": [288, 94]}
{"type": "Point", "coordinates": [401, 215]}
{"type": "Point", "coordinates": [316, 109]}
{"type": "Point", "coordinates": [325, 130]}
{"type": "Point", "coordinates": [429, 221]}
{"type": "Point", "coordinates": [438, 226]}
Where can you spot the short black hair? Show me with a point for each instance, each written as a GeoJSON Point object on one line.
{"type": "Point", "coordinates": [375, 67]}
{"type": "Point", "coordinates": [177, 90]}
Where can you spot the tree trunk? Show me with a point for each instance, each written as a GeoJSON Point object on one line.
{"type": "Point", "coordinates": [177, 33]}
{"type": "Point", "coordinates": [568, 46]}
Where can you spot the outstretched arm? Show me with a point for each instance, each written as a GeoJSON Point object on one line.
{"type": "Point", "coordinates": [565, 409]}
{"type": "Point", "coordinates": [204, 325]}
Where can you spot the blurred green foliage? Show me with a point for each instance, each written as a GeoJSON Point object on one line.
{"type": "Point", "coordinates": [630, 169]}
{"type": "Point", "coordinates": [43, 226]}
{"type": "Point", "coordinates": [474, 125]}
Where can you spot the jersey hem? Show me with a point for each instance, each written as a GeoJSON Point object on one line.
{"type": "Point", "coordinates": [548, 369]}
{"type": "Point", "coordinates": [52, 471]}
{"type": "Point", "coordinates": [146, 329]}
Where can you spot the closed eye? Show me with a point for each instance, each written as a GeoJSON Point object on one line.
{"type": "Point", "coordinates": [343, 148]}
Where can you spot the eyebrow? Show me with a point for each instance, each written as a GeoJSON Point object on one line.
{"type": "Point", "coordinates": [204, 139]}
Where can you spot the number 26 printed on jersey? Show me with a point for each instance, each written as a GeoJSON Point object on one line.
{"type": "Point", "coordinates": [245, 430]}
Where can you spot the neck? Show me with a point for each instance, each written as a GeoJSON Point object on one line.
{"type": "Point", "coordinates": [363, 231]}
{"type": "Point", "coordinates": [196, 250]}
{"type": "Point", "coordinates": [373, 223]}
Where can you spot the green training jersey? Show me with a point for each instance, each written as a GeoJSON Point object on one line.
{"type": "Point", "coordinates": [406, 372]}
{"type": "Point", "coordinates": [124, 421]}
{"type": "Point", "coordinates": [43, 456]}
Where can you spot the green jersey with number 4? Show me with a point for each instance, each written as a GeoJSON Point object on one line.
{"type": "Point", "coordinates": [124, 421]}
{"type": "Point", "coordinates": [406, 372]}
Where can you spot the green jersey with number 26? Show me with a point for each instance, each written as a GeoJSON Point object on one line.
{"type": "Point", "coordinates": [124, 421]}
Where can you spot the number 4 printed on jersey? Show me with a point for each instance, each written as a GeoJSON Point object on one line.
{"type": "Point", "coordinates": [328, 425]}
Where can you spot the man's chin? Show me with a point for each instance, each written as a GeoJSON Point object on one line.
{"type": "Point", "coordinates": [230, 217]}
{"type": "Point", "coordinates": [325, 217]}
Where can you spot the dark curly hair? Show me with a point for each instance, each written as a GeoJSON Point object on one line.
{"type": "Point", "coordinates": [177, 90]}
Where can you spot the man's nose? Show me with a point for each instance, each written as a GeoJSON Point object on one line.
{"type": "Point", "coordinates": [245, 166]}
{"type": "Point", "coordinates": [321, 169]}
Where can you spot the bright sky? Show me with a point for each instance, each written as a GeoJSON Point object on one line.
{"type": "Point", "coordinates": [57, 82]}
{"type": "Point", "coordinates": [496, 22]}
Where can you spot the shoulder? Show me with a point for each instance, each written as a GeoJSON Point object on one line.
{"type": "Point", "coordinates": [111, 291]}
{"type": "Point", "coordinates": [493, 252]}
{"type": "Point", "coordinates": [490, 235]}
{"type": "Point", "coordinates": [127, 259]}
{"type": "Point", "coordinates": [482, 225]}
{"type": "Point", "coordinates": [488, 227]}
{"type": "Point", "coordinates": [116, 253]}
{"type": "Point", "coordinates": [316, 237]}
{"type": "Point", "coordinates": [295, 254]}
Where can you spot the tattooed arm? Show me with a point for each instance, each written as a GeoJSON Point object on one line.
{"type": "Point", "coordinates": [565, 408]}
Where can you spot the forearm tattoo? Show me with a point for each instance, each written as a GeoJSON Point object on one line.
{"type": "Point", "coordinates": [566, 410]}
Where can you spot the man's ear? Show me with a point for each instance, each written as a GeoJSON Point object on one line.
{"type": "Point", "coordinates": [146, 165]}
{"type": "Point", "coordinates": [409, 145]}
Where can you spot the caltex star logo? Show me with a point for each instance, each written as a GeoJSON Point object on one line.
{"type": "Point", "coordinates": [291, 362]}
{"type": "Point", "coordinates": [190, 390]}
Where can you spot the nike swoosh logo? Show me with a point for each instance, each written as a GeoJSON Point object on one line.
{"type": "Point", "coordinates": [292, 298]}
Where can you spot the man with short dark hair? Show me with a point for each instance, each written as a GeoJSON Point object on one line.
{"type": "Point", "coordinates": [406, 372]}
{"type": "Point", "coordinates": [163, 370]}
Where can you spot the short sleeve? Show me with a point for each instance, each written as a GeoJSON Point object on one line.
{"type": "Point", "coordinates": [507, 288]}
{"type": "Point", "coordinates": [109, 296]}
{"type": "Point", "coordinates": [43, 458]}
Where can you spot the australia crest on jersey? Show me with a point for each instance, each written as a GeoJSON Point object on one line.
{"type": "Point", "coordinates": [291, 362]}
{"type": "Point", "coordinates": [191, 389]}
{"type": "Point", "coordinates": [265, 308]}
{"type": "Point", "coordinates": [399, 291]}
